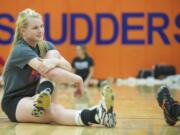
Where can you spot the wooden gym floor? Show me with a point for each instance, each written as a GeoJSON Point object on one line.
{"type": "Point", "coordinates": [137, 114]}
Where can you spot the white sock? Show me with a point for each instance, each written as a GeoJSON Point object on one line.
{"type": "Point", "coordinates": [78, 119]}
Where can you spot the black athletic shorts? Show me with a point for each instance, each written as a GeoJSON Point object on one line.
{"type": "Point", "coordinates": [9, 106]}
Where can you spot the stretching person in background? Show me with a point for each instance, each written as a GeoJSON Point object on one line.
{"type": "Point", "coordinates": [32, 68]}
{"type": "Point", "coordinates": [170, 107]}
{"type": "Point", "coordinates": [83, 65]}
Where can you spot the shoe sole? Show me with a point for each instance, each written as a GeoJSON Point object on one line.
{"type": "Point", "coordinates": [108, 97]}
{"type": "Point", "coordinates": [43, 100]}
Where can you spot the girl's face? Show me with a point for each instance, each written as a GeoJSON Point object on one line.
{"type": "Point", "coordinates": [34, 31]}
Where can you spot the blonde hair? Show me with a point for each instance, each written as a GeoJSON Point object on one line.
{"type": "Point", "coordinates": [22, 21]}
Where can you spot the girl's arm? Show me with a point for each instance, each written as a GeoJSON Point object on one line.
{"type": "Point", "coordinates": [63, 63]}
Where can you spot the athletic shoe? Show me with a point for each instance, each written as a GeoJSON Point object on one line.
{"type": "Point", "coordinates": [166, 102]}
{"type": "Point", "coordinates": [105, 114]}
{"type": "Point", "coordinates": [41, 102]}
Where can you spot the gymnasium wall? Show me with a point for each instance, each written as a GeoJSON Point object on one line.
{"type": "Point", "coordinates": [123, 36]}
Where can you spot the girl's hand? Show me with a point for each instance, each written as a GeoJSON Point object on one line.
{"type": "Point", "coordinates": [65, 65]}
{"type": "Point", "coordinates": [50, 63]}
